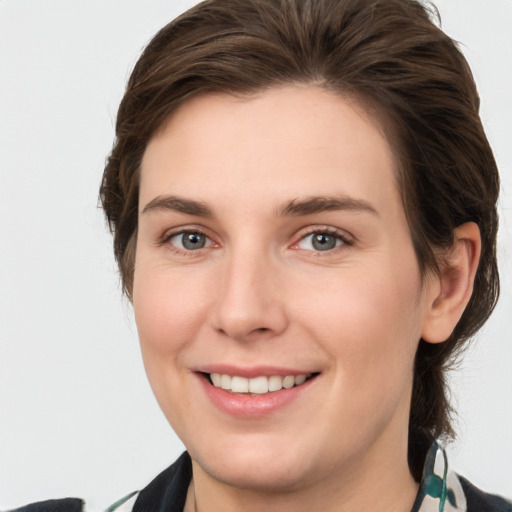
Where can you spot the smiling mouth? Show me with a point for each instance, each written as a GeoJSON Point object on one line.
{"type": "Point", "coordinates": [257, 385]}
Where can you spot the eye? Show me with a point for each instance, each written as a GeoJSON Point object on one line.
{"type": "Point", "coordinates": [320, 241]}
{"type": "Point", "coordinates": [190, 240]}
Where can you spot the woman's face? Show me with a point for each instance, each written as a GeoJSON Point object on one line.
{"type": "Point", "coordinates": [272, 248]}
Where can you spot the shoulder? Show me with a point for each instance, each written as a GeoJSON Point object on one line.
{"type": "Point", "coordinates": [479, 501]}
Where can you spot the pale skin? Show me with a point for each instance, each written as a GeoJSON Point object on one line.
{"type": "Point", "coordinates": [302, 259]}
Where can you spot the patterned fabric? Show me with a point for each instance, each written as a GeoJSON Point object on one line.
{"type": "Point", "coordinates": [440, 489]}
{"type": "Point", "coordinates": [124, 504]}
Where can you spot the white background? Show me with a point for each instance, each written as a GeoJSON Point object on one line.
{"type": "Point", "coordinates": [77, 416]}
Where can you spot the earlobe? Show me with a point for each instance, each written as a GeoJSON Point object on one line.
{"type": "Point", "coordinates": [450, 293]}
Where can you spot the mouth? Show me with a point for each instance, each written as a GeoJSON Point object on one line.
{"type": "Point", "coordinates": [254, 393]}
{"type": "Point", "coordinates": [259, 385]}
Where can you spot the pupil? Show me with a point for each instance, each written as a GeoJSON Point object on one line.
{"type": "Point", "coordinates": [193, 241]}
{"type": "Point", "coordinates": [323, 242]}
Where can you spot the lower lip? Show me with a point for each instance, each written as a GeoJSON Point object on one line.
{"type": "Point", "coordinates": [253, 406]}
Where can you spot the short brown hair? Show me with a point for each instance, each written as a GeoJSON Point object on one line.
{"type": "Point", "coordinates": [393, 58]}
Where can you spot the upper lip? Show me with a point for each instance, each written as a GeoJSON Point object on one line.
{"type": "Point", "coordinates": [253, 371]}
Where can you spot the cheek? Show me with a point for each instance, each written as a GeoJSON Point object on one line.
{"type": "Point", "coordinates": [169, 310]}
{"type": "Point", "coordinates": [169, 313]}
{"type": "Point", "coordinates": [368, 322]}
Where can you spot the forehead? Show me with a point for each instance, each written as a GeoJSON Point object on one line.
{"type": "Point", "coordinates": [291, 141]}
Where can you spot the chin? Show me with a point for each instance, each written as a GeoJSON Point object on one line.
{"type": "Point", "coordinates": [258, 467]}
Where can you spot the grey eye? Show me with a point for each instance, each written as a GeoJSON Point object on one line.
{"type": "Point", "coordinates": [189, 240]}
{"type": "Point", "coordinates": [320, 242]}
{"type": "Point", "coordinates": [193, 241]}
{"type": "Point", "coordinates": [323, 241]}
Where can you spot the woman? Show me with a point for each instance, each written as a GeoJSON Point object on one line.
{"type": "Point", "coordinates": [303, 204]}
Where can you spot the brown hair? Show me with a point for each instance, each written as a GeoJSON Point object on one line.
{"type": "Point", "coordinates": [391, 56]}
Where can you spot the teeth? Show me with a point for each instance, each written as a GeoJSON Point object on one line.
{"type": "Point", "coordinates": [300, 379]}
{"type": "Point", "coordinates": [256, 385]}
{"type": "Point", "coordinates": [275, 383]}
{"type": "Point", "coordinates": [215, 379]}
{"type": "Point", "coordinates": [288, 382]}
{"type": "Point", "coordinates": [225, 381]}
{"type": "Point", "coordinates": [239, 385]}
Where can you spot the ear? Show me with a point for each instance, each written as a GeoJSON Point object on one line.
{"type": "Point", "coordinates": [448, 292]}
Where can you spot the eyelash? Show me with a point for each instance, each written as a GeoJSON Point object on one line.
{"type": "Point", "coordinates": [340, 236]}
{"type": "Point", "coordinates": [343, 237]}
{"type": "Point", "coordinates": [166, 240]}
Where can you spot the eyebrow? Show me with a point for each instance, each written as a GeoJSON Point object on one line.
{"type": "Point", "coordinates": [318, 204]}
{"type": "Point", "coordinates": [178, 204]}
{"type": "Point", "coordinates": [294, 207]}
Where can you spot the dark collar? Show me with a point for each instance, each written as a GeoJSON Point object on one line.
{"type": "Point", "coordinates": [168, 491]}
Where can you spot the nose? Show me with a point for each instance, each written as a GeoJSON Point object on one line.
{"type": "Point", "coordinates": [249, 304]}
